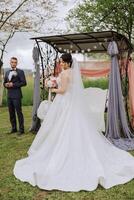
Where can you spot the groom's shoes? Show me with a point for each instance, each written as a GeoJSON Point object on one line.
{"type": "Point", "coordinates": [13, 131]}
{"type": "Point", "coordinates": [21, 132]}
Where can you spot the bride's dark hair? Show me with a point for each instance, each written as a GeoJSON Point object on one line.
{"type": "Point", "coordinates": [67, 57]}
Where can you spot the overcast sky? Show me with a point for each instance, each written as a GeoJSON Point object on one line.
{"type": "Point", "coordinates": [21, 46]}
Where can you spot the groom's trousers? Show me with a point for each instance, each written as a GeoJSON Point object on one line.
{"type": "Point", "coordinates": [14, 106]}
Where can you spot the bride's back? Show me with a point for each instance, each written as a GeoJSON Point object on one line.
{"type": "Point", "coordinates": [65, 79]}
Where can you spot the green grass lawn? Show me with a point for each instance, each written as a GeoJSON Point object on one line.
{"type": "Point", "coordinates": [13, 148]}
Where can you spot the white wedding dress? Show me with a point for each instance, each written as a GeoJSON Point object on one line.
{"type": "Point", "coordinates": [68, 152]}
{"type": "Point", "coordinates": [96, 102]}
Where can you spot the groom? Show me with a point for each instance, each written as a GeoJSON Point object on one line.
{"type": "Point", "coordinates": [14, 79]}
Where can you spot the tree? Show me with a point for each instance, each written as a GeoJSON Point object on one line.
{"type": "Point", "coordinates": [26, 16]}
{"type": "Point", "coordinates": [7, 31]}
{"type": "Point", "coordinates": [100, 15]}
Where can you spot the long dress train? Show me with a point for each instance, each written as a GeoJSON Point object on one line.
{"type": "Point", "coordinates": [70, 154]}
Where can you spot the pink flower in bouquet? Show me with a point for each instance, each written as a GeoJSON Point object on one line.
{"type": "Point", "coordinates": [51, 82]}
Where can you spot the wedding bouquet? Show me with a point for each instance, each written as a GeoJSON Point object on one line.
{"type": "Point", "coordinates": [51, 82]}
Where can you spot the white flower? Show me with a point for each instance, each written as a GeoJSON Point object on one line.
{"type": "Point", "coordinates": [11, 74]}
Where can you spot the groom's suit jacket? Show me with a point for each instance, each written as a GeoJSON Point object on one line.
{"type": "Point", "coordinates": [18, 81]}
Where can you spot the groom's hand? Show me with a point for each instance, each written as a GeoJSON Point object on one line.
{"type": "Point", "coordinates": [6, 84]}
{"type": "Point", "coordinates": [9, 85]}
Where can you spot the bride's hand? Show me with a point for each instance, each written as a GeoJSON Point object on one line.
{"type": "Point", "coordinates": [53, 90]}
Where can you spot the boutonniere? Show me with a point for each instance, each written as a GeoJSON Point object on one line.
{"type": "Point", "coordinates": [14, 73]}
{"type": "Point", "coordinates": [11, 74]}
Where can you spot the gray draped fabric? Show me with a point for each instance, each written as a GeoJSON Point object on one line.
{"type": "Point", "coordinates": [36, 95]}
{"type": "Point", "coordinates": [117, 129]}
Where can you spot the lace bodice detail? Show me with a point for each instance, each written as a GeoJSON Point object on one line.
{"type": "Point", "coordinates": [69, 80]}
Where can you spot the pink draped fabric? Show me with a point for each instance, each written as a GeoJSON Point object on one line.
{"type": "Point", "coordinates": [87, 72]}
{"type": "Point", "coordinates": [95, 73]}
{"type": "Point", "coordinates": [131, 89]}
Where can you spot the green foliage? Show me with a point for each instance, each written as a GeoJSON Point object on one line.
{"type": "Point", "coordinates": [96, 15]}
{"type": "Point", "coordinates": [100, 83]}
{"type": "Point", "coordinates": [28, 92]}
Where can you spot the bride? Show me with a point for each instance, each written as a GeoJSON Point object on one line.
{"type": "Point", "coordinates": [69, 153]}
